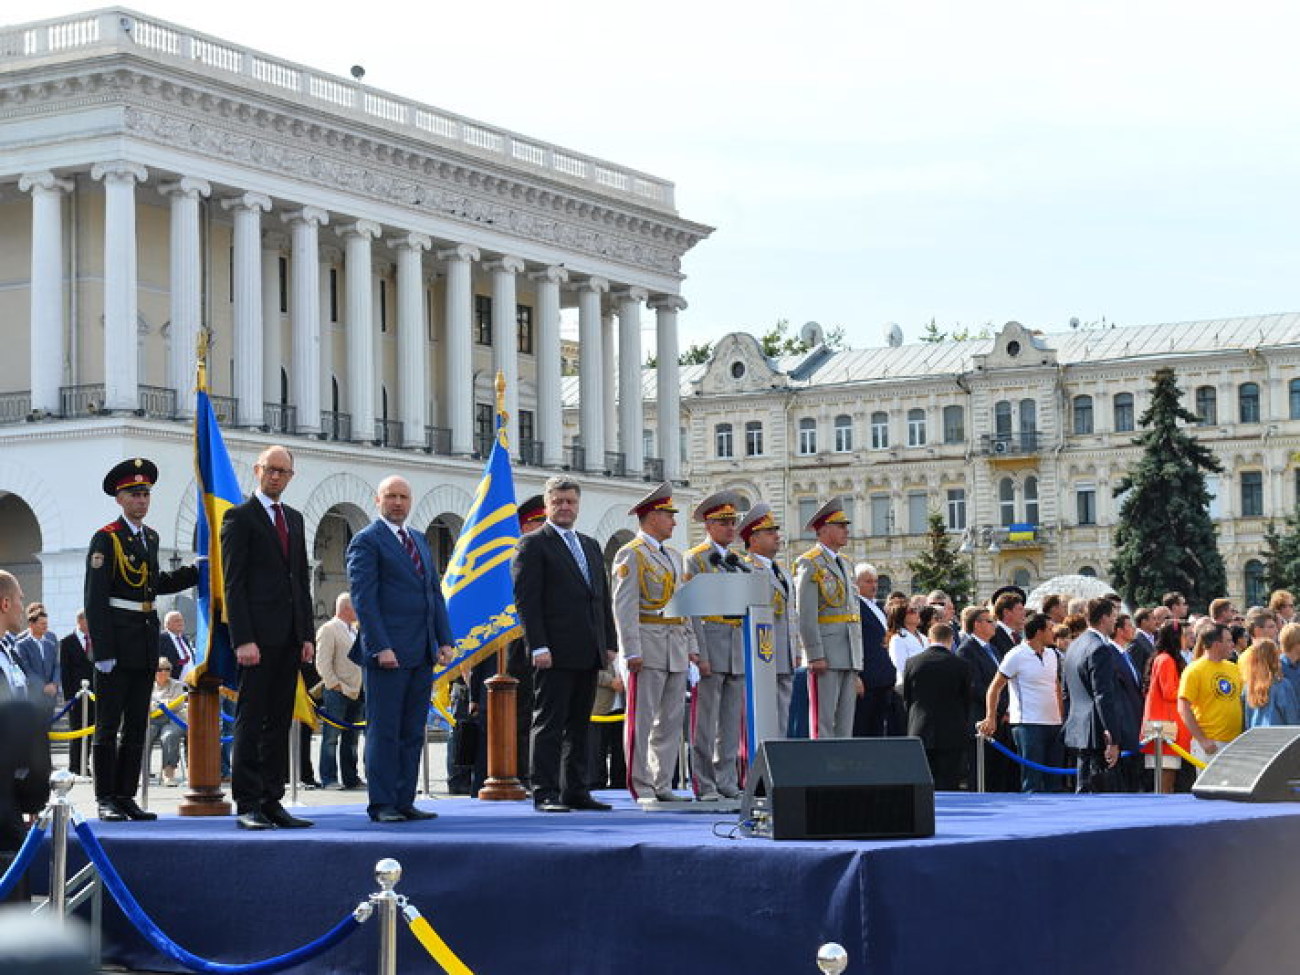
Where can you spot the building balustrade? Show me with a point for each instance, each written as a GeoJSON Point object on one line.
{"type": "Point", "coordinates": [615, 463]}
{"type": "Point", "coordinates": [1009, 444]}
{"type": "Point", "coordinates": [654, 469]}
{"type": "Point", "coordinates": [388, 433]}
{"type": "Point", "coordinates": [335, 426]}
{"type": "Point", "coordinates": [530, 452]}
{"type": "Point", "coordinates": [575, 458]}
{"type": "Point", "coordinates": [280, 418]}
{"type": "Point", "coordinates": [437, 440]}
{"type": "Point", "coordinates": [16, 407]}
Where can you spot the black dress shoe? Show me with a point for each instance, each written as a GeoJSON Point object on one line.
{"type": "Point", "coordinates": [588, 803]}
{"type": "Point", "coordinates": [387, 816]}
{"type": "Point", "coordinates": [254, 820]}
{"type": "Point", "coordinates": [133, 811]}
{"type": "Point", "coordinates": [549, 805]}
{"type": "Point", "coordinates": [110, 813]}
{"type": "Point", "coordinates": [277, 815]}
{"type": "Point", "coordinates": [414, 814]}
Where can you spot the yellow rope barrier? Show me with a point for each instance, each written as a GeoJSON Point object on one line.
{"type": "Point", "coordinates": [90, 729]}
{"type": "Point", "coordinates": [1173, 747]}
{"type": "Point", "coordinates": [607, 718]}
{"type": "Point", "coordinates": [433, 943]}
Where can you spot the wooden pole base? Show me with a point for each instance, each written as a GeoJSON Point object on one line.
{"type": "Point", "coordinates": [205, 797]}
{"type": "Point", "coordinates": [502, 758]}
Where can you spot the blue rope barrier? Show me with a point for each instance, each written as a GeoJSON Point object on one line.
{"type": "Point", "coordinates": [31, 843]}
{"type": "Point", "coordinates": [62, 711]}
{"type": "Point", "coordinates": [146, 926]}
{"type": "Point", "coordinates": [180, 722]}
{"type": "Point", "coordinates": [339, 722]}
{"type": "Point", "coordinates": [1028, 763]}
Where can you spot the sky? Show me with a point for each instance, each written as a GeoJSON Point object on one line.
{"type": "Point", "coordinates": [868, 162]}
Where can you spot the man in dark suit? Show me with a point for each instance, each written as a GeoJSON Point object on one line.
{"type": "Point", "coordinates": [1143, 644]}
{"type": "Point", "coordinates": [122, 582]}
{"type": "Point", "coordinates": [268, 605]}
{"type": "Point", "coordinates": [174, 645]}
{"type": "Point", "coordinates": [1128, 682]}
{"type": "Point", "coordinates": [1009, 611]}
{"type": "Point", "coordinates": [982, 658]}
{"type": "Point", "coordinates": [1093, 719]}
{"type": "Point", "coordinates": [877, 713]}
{"type": "Point", "coordinates": [404, 629]}
{"type": "Point", "coordinates": [563, 597]}
{"type": "Point", "coordinates": [936, 689]}
{"type": "Point", "coordinates": [76, 665]}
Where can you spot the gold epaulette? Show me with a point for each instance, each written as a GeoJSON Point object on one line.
{"type": "Point", "coordinates": [702, 547]}
{"type": "Point", "coordinates": [636, 542]}
{"type": "Point", "coordinates": [810, 555]}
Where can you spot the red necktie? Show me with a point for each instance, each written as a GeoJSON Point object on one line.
{"type": "Point", "coordinates": [281, 529]}
{"type": "Point", "coordinates": [89, 654]}
{"type": "Point", "coordinates": [408, 543]}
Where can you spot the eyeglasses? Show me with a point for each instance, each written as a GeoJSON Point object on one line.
{"type": "Point", "coordinates": [279, 471]}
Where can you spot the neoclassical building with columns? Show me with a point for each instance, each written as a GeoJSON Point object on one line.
{"type": "Point", "coordinates": [1017, 440]}
{"type": "Point", "coordinates": [362, 264]}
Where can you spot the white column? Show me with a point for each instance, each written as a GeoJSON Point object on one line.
{"type": "Point", "coordinates": [247, 311]}
{"type": "Point", "coordinates": [46, 323]}
{"type": "Point", "coordinates": [121, 374]}
{"type": "Point", "coordinates": [412, 381]}
{"type": "Point", "coordinates": [668, 385]}
{"type": "Point", "coordinates": [608, 369]}
{"type": "Point", "coordinates": [550, 410]}
{"type": "Point", "coordinates": [330, 257]}
{"type": "Point", "coordinates": [591, 378]}
{"type": "Point", "coordinates": [505, 339]}
{"type": "Point", "coordinates": [360, 326]}
{"type": "Point", "coordinates": [186, 255]}
{"type": "Point", "coordinates": [457, 359]}
{"type": "Point", "coordinates": [631, 419]}
{"type": "Point", "coordinates": [273, 246]}
{"type": "Point", "coordinates": [305, 314]}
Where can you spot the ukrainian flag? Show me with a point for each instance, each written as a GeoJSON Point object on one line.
{"type": "Point", "coordinates": [477, 586]}
{"type": "Point", "coordinates": [218, 492]}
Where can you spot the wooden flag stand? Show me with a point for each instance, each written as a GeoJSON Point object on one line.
{"type": "Point", "coordinates": [502, 754]}
{"type": "Point", "coordinates": [205, 797]}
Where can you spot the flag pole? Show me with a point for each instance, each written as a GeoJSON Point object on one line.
{"type": "Point", "coordinates": [502, 690]}
{"type": "Point", "coordinates": [204, 796]}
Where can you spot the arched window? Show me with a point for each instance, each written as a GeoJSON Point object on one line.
{"type": "Point", "coordinates": [916, 428]}
{"type": "Point", "coordinates": [1087, 570]}
{"type": "Point", "coordinates": [807, 435]}
{"type": "Point", "coordinates": [1002, 419]}
{"type": "Point", "coordinates": [1031, 500]}
{"type": "Point", "coordinates": [1207, 406]}
{"type": "Point", "coordinates": [1256, 593]}
{"type": "Point", "coordinates": [1248, 402]}
{"type": "Point", "coordinates": [1028, 416]}
{"type": "Point", "coordinates": [724, 445]}
{"type": "Point", "coordinates": [1007, 502]}
{"type": "Point", "coordinates": [1021, 579]}
{"type": "Point", "coordinates": [954, 424]}
{"type": "Point", "coordinates": [884, 586]}
{"type": "Point", "coordinates": [1123, 412]}
{"type": "Point", "coordinates": [880, 430]}
{"type": "Point", "coordinates": [1294, 390]}
{"type": "Point", "coordinates": [1082, 415]}
{"type": "Point", "coordinates": [843, 433]}
{"type": "Point", "coordinates": [753, 438]}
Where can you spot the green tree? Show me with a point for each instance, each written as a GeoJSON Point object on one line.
{"type": "Point", "coordinates": [777, 341]}
{"type": "Point", "coordinates": [1282, 554]}
{"type": "Point", "coordinates": [932, 334]}
{"type": "Point", "coordinates": [1165, 539]}
{"type": "Point", "coordinates": [940, 566]}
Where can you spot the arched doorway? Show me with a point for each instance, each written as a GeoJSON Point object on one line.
{"type": "Point", "coordinates": [20, 543]}
{"type": "Point", "coordinates": [335, 531]}
{"type": "Point", "coordinates": [616, 541]}
{"type": "Point", "coordinates": [441, 535]}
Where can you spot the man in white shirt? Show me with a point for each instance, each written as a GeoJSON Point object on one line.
{"type": "Point", "coordinates": [1030, 670]}
{"type": "Point", "coordinates": [342, 703]}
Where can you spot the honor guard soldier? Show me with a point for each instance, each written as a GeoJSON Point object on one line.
{"type": "Point", "coordinates": [830, 631]}
{"type": "Point", "coordinates": [122, 582]}
{"type": "Point", "coordinates": [657, 649]}
{"type": "Point", "coordinates": [761, 536]}
{"type": "Point", "coordinates": [720, 694]}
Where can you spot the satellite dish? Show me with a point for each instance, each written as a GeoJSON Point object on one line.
{"type": "Point", "coordinates": [812, 334]}
{"type": "Point", "coordinates": [358, 72]}
{"type": "Point", "coordinates": [893, 335]}
{"type": "Point", "coordinates": [1074, 322]}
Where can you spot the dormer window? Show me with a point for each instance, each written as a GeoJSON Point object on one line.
{"type": "Point", "coordinates": [737, 370]}
{"type": "Point", "coordinates": [1013, 348]}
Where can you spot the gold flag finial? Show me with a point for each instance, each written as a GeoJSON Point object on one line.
{"type": "Point", "coordinates": [502, 416]}
{"type": "Point", "coordinates": [201, 354]}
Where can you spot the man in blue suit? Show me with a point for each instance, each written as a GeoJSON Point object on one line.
{"type": "Point", "coordinates": [404, 628]}
{"type": "Point", "coordinates": [1094, 720]}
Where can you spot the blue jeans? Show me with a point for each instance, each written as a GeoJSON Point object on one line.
{"type": "Point", "coordinates": [338, 748]}
{"type": "Point", "coordinates": [1039, 743]}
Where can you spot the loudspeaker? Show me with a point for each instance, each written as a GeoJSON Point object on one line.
{"type": "Point", "coordinates": [839, 789]}
{"type": "Point", "coordinates": [1262, 765]}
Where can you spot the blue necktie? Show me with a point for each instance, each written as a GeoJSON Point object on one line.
{"type": "Point", "coordinates": [571, 538]}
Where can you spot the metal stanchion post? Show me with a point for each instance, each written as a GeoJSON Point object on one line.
{"type": "Point", "coordinates": [424, 757]}
{"type": "Point", "coordinates": [147, 764]}
{"type": "Point", "coordinates": [295, 760]}
{"type": "Point", "coordinates": [83, 744]}
{"type": "Point", "coordinates": [388, 872]}
{"type": "Point", "coordinates": [61, 782]}
{"type": "Point", "coordinates": [832, 958]}
{"type": "Point", "coordinates": [1160, 755]}
{"type": "Point", "coordinates": [979, 762]}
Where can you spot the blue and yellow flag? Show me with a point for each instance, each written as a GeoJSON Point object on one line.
{"type": "Point", "coordinates": [218, 492]}
{"type": "Point", "coordinates": [477, 586]}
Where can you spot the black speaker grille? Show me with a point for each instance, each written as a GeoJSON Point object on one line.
{"type": "Point", "coordinates": [876, 810]}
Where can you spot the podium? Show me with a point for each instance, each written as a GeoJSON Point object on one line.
{"type": "Point", "coordinates": [747, 595]}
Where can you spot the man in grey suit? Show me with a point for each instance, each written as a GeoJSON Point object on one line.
{"type": "Point", "coordinates": [656, 649]}
{"type": "Point", "coordinates": [830, 630]}
{"type": "Point", "coordinates": [1093, 721]}
{"type": "Point", "coordinates": [762, 537]}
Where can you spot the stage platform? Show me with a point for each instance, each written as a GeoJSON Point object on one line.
{"type": "Point", "coordinates": [1009, 885]}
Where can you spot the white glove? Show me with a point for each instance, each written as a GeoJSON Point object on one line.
{"type": "Point", "coordinates": [105, 666]}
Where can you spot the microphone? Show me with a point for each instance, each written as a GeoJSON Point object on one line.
{"type": "Point", "coordinates": [733, 560]}
{"type": "Point", "coordinates": [715, 560]}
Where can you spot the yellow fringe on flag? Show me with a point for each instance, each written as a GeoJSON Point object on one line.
{"type": "Point", "coordinates": [433, 944]}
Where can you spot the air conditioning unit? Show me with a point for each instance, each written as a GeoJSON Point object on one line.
{"type": "Point", "coordinates": [1001, 447]}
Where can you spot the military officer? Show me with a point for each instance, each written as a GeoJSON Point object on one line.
{"type": "Point", "coordinates": [761, 536]}
{"type": "Point", "coordinates": [122, 581]}
{"type": "Point", "coordinates": [720, 694]}
{"type": "Point", "coordinates": [830, 633]}
{"type": "Point", "coordinates": [656, 649]}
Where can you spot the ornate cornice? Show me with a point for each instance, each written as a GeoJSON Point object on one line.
{"type": "Point", "coordinates": [252, 129]}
